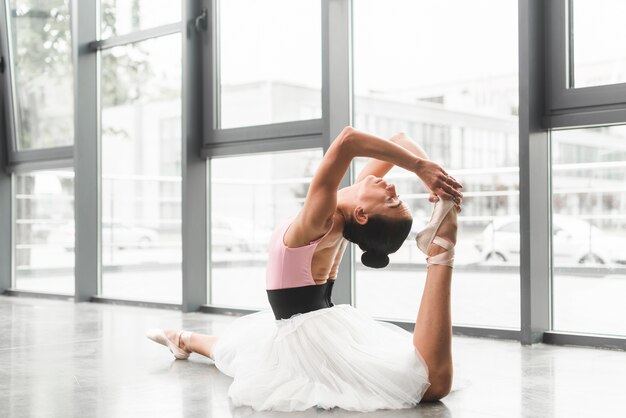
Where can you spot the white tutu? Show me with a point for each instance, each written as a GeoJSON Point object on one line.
{"type": "Point", "coordinates": [332, 357]}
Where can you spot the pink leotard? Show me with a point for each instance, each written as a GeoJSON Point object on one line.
{"type": "Point", "coordinates": [289, 267]}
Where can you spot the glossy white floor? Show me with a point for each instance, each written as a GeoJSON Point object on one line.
{"type": "Point", "coordinates": [60, 359]}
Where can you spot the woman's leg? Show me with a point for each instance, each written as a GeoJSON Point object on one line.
{"type": "Point", "coordinates": [197, 343]}
{"type": "Point", "coordinates": [432, 336]}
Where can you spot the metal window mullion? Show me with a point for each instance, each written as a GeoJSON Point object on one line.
{"type": "Point", "coordinates": [210, 69]}
{"type": "Point", "coordinates": [37, 165]}
{"type": "Point", "coordinates": [41, 159]}
{"type": "Point", "coordinates": [194, 167]}
{"type": "Point", "coordinates": [61, 153]}
{"type": "Point", "coordinates": [467, 331]}
{"type": "Point", "coordinates": [8, 87]}
{"type": "Point", "coordinates": [7, 150]}
{"type": "Point", "coordinates": [581, 118]}
{"type": "Point", "coordinates": [209, 252]}
{"type": "Point", "coordinates": [129, 302]}
{"type": "Point", "coordinates": [137, 36]}
{"type": "Point", "coordinates": [585, 340]}
{"type": "Point", "coordinates": [270, 131]}
{"type": "Point", "coordinates": [337, 109]}
{"type": "Point", "coordinates": [7, 216]}
{"type": "Point", "coordinates": [87, 186]}
{"type": "Point", "coordinates": [35, 294]}
{"type": "Point", "coordinates": [568, 15]}
{"type": "Point", "coordinates": [209, 82]}
{"type": "Point", "coordinates": [534, 164]}
{"type": "Point", "coordinates": [263, 146]}
{"type": "Point", "coordinates": [589, 99]}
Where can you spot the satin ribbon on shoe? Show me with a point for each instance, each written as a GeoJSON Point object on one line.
{"type": "Point", "coordinates": [445, 258]}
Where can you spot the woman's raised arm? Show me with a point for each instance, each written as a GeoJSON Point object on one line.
{"type": "Point", "coordinates": [433, 176]}
{"type": "Point", "coordinates": [321, 200]}
{"type": "Point", "coordinates": [380, 168]}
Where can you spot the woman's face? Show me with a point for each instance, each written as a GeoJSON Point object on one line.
{"type": "Point", "coordinates": [378, 197]}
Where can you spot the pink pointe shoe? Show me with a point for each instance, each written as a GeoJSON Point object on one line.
{"type": "Point", "coordinates": [428, 235]}
{"type": "Point", "coordinates": [158, 336]}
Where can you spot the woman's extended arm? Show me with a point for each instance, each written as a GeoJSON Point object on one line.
{"type": "Point", "coordinates": [380, 168]}
{"type": "Point", "coordinates": [321, 200]}
{"type": "Point", "coordinates": [433, 176]}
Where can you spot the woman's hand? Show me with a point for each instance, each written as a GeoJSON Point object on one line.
{"type": "Point", "coordinates": [434, 198]}
{"type": "Point", "coordinates": [438, 181]}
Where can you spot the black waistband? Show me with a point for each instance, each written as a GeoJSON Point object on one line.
{"type": "Point", "coordinates": [288, 302]}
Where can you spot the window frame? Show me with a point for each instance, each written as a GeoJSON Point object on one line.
{"type": "Point", "coordinates": [7, 208]}
{"type": "Point", "coordinates": [568, 337]}
{"type": "Point", "coordinates": [29, 170]}
{"type": "Point", "coordinates": [566, 108]}
{"type": "Point", "coordinates": [95, 49]}
{"type": "Point", "coordinates": [569, 106]}
{"type": "Point", "coordinates": [282, 136]}
{"type": "Point", "coordinates": [16, 158]}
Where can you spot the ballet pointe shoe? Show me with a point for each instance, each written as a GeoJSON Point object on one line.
{"type": "Point", "coordinates": [428, 235]}
{"type": "Point", "coordinates": [158, 336]}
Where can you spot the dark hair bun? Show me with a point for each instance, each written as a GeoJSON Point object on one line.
{"type": "Point", "coordinates": [374, 260]}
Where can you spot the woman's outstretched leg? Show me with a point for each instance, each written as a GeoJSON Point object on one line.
{"type": "Point", "coordinates": [193, 342]}
{"type": "Point", "coordinates": [432, 336]}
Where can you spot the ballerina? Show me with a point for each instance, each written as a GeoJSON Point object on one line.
{"type": "Point", "coordinates": [307, 352]}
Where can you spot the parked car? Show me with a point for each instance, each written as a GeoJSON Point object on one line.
{"type": "Point", "coordinates": [574, 241]}
{"type": "Point", "coordinates": [226, 237]}
{"type": "Point", "coordinates": [115, 234]}
{"type": "Point", "coordinates": [128, 236]}
{"type": "Point", "coordinates": [233, 234]}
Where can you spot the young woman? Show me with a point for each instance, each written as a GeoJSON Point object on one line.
{"type": "Point", "coordinates": [308, 352]}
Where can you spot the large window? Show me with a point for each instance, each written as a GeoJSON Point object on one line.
{"type": "Point", "coordinates": [445, 72]}
{"type": "Point", "coordinates": [141, 170]}
{"type": "Point", "coordinates": [44, 231]}
{"type": "Point", "coordinates": [41, 65]}
{"type": "Point", "coordinates": [589, 229]}
{"type": "Point", "coordinates": [250, 195]}
{"type": "Point", "coordinates": [453, 88]}
{"type": "Point", "coordinates": [598, 56]}
{"type": "Point", "coordinates": [270, 61]}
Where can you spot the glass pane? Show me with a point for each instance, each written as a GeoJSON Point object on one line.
{"type": "Point", "coordinates": [270, 61]}
{"type": "Point", "coordinates": [453, 89]}
{"type": "Point", "coordinates": [599, 53]}
{"type": "Point", "coordinates": [119, 17]}
{"type": "Point", "coordinates": [44, 231]}
{"type": "Point", "coordinates": [267, 188]}
{"type": "Point", "coordinates": [589, 230]}
{"type": "Point", "coordinates": [41, 63]}
{"type": "Point", "coordinates": [141, 171]}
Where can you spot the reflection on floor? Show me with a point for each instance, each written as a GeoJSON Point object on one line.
{"type": "Point", "coordinates": [60, 359]}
